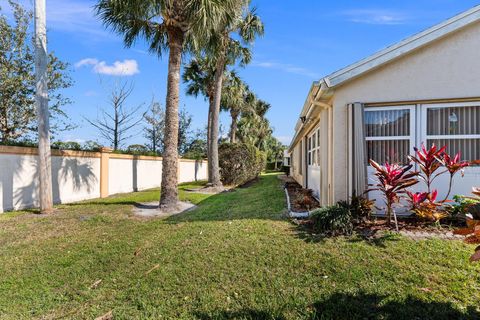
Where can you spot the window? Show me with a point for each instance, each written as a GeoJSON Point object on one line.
{"type": "Point", "coordinates": [300, 158]}
{"type": "Point", "coordinates": [456, 126]}
{"type": "Point", "coordinates": [392, 132]}
{"type": "Point", "coordinates": [314, 148]}
{"type": "Point", "coordinates": [389, 133]}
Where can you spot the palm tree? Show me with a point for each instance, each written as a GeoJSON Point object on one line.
{"type": "Point", "coordinates": [236, 99]}
{"type": "Point", "coordinates": [226, 50]}
{"type": "Point", "coordinates": [253, 127]}
{"type": "Point", "coordinates": [199, 75]}
{"type": "Point", "coordinates": [41, 101]}
{"type": "Point", "coordinates": [176, 26]}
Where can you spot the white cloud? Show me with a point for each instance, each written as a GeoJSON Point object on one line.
{"type": "Point", "coordinates": [286, 68]}
{"type": "Point", "coordinates": [127, 67]}
{"type": "Point", "coordinates": [72, 16]}
{"type": "Point", "coordinates": [376, 16]}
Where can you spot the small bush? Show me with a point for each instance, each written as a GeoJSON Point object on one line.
{"type": "Point", "coordinates": [465, 205]}
{"type": "Point", "coordinates": [334, 221]}
{"type": "Point", "coordinates": [240, 163]}
{"type": "Point", "coordinates": [360, 207]}
{"type": "Point", "coordinates": [66, 145]}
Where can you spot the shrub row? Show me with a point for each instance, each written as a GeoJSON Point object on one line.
{"type": "Point", "coordinates": [240, 163]}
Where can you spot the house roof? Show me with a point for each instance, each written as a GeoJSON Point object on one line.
{"type": "Point", "coordinates": [403, 47]}
{"type": "Point", "coordinates": [322, 90]}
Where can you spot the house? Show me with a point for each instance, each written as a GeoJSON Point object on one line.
{"type": "Point", "coordinates": [424, 89]}
{"type": "Point", "coordinates": [286, 159]}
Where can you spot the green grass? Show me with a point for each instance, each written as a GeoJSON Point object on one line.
{"type": "Point", "coordinates": [234, 257]}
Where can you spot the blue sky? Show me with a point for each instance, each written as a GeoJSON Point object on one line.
{"type": "Point", "coordinates": [303, 41]}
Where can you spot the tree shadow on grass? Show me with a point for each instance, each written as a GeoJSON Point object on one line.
{"type": "Point", "coordinates": [362, 305]}
{"type": "Point", "coordinates": [377, 240]}
{"type": "Point", "coordinates": [263, 200]}
{"type": "Point", "coordinates": [374, 239]}
{"type": "Point", "coordinates": [372, 306]}
{"type": "Point", "coordinates": [247, 314]}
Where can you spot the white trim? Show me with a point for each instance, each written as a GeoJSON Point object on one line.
{"type": "Point", "coordinates": [424, 137]}
{"type": "Point", "coordinates": [404, 47]}
{"type": "Point", "coordinates": [385, 138]}
{"type": "Point", "coordinates": [413, 116]}
{"type": "Point", "coordinates": [451, 104]}
{"type": "Point", "coordinates": [452, 137]}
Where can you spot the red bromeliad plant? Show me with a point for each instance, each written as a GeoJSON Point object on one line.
{"type": "Point", "coordinates": [424, 205]}
{"type": "Point", "coordinates": [393, 180]}
{"type": "Point", "coordinates": [428, 162]}
{"type": "Point", "coordinates": [453, 166]}
{"type": "Point", "coordinates": [431, 160]}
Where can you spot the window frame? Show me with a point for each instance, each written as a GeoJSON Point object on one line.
{"type": "Point", "coordinates": [423, 131]}
{"type": "Point", "coordinates": [313, 151]}
{"type": "Point", "coordinates": [413, 125]}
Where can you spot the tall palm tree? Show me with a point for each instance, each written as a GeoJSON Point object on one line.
{"type": "Point", "coordinates": [199, 75]}
{"type": "Point", "coordinates": [225, 48]}
{"type": "Point", "coordinates": [176, 26]}
{"type": "Point", "coordinates": [236, 99]}
{"type": "Point", "coordinates": [41, 101]}
{"type": "Point", "coordinates": [253, 127]}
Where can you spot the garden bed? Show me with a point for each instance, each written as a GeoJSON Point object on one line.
{"type": "Point", "coordinates": [300, 200]}
{"type": "Point", "coordinates": [410, 227]}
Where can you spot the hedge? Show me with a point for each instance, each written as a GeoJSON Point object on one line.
{"type": "Point", "coordinates": [240, 163]}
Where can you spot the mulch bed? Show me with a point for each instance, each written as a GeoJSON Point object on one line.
{"type": "Point", "coordinates": [410, 227]}
{"type": "Point", "coordinates": [301, 200]}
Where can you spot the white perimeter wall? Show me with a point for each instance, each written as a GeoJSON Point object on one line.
{"type": "Point", "coordinates": [74, 179]}
{"type": "Point", "coordinates": [127, 175]}
{"type": "Point", "coordinates": [78, 178]}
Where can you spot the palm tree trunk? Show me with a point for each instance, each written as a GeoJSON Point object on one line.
{"type": "Point", "coordinates": [209, 135]}
{"type": "Point", "coordinates": [41, 101]}
{"type": "Point", "coordinates": [169, 192]}
{"type": "Point", "coordinates": [213, 159]}
{"type": "Point", "coordinates": [233, 127]}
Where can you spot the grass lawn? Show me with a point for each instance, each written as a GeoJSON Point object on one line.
{"type": "Point", "coordinates": [234, 257]}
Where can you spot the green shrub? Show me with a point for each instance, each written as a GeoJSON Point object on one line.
{"type": "Point", "coordinates": [240, 163]}
{"type": "Point", "coordinates": [66, 145]}
{"type": "Point", "coordinates": [360, 207]}
{"type": "Point", "coordinates": [333, 220]}
{"type": "Point", "coordinates": [464, 205]}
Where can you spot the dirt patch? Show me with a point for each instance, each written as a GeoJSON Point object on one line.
{"type": "Point", "coordinates": [301, 200]}
{"type": "Point", "coordinates": [152, 210]}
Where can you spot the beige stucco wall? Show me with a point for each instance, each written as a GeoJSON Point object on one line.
{"type": "Point", "coordinates": [295, 167]}
{"type": "Point", "coordinates": [448, 68]}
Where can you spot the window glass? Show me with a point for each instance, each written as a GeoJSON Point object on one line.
{"type": "Point", "coordinates": [391, 151]}
{"type": "Point", "coordinates": [387, 123]}
{"type": "Point", "coordinates": [388, 135]}
{"type": "Point", "coordinates": [453, 121]}
{"type": "Point", "coordinates": [457, 127]}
